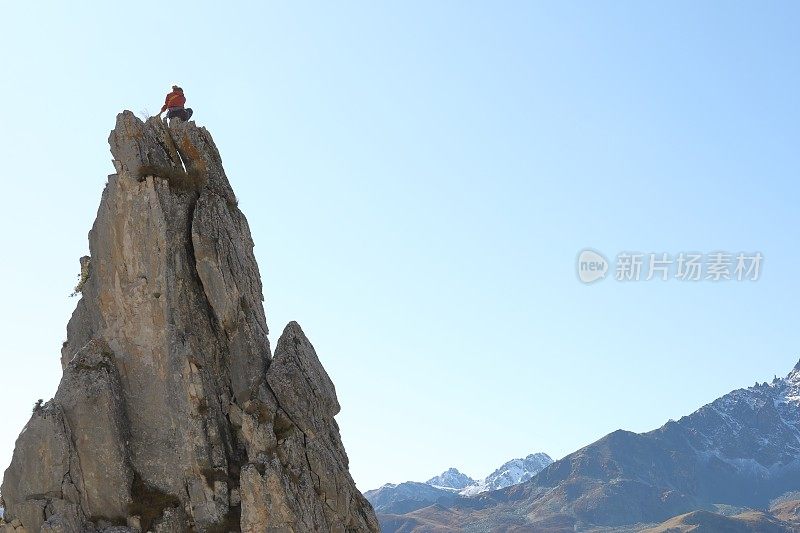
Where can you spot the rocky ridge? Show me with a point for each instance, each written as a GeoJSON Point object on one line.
{"type": "Point", "coordinates": [451, 479]}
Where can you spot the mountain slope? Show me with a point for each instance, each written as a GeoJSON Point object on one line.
{"type": "Point", "coordinates": [708, 522]}
{"type": "Point", "coordinates": [782, 517]}
{"type": "Point", "coordinates": [742, 449]}
{"type": "Point", "coordinates": [408, 496]}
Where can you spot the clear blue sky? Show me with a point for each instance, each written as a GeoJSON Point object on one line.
{"type": "Point", "coordinates": [419, 178]}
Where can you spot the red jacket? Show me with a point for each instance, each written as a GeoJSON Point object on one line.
{"type": "Point", "coordinates": [174, 99]}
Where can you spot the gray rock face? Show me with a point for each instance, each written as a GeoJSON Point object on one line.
{"type": "Point", "coordinates": [172, 415]}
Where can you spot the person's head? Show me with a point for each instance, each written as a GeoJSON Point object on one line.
{"type": "Point", "coordinates": [176, 88]}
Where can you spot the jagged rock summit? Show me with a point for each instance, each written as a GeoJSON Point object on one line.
{"type": "Point", "coordinates": [172, 415]}
{"type": "Point", "coordinates": [451, 479]}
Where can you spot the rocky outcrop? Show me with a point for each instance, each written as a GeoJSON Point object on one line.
{"type": "Point", "coordinates": [172, 415]}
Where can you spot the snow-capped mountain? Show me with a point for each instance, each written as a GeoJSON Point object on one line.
{"type": "Point", "coordinates": [739, 451]}
{"type": "Point", "coordinates": [513, 472]}
{"type": "Point", "coordinates": [451, 479]}
{"type": "Point", "coordinates": [755, 429]}
{"type": "Point", "coordinates": [453, 485]}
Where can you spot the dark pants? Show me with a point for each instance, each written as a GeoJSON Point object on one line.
{"type": "Point", "coordinates": [181, 113]}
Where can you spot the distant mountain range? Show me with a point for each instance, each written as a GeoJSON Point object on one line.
{"type": "Point", "coordinates": [451, 486]}
{"type": "Point", "coordinates": [511, 473]}
{"type": "Point", "coordinates": [719, 469]}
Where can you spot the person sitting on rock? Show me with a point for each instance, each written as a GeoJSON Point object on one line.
{"type": "Point", "coordinates": [173, 105]}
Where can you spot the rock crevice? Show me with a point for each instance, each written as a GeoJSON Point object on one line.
{"type": "Point", "coordinates": [172, 414]}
